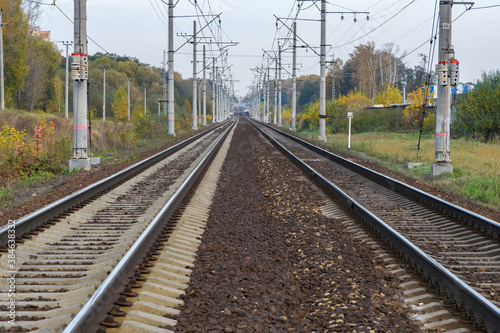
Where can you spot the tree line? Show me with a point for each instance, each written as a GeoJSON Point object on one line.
{"type": "Point", "coordinates": [35, 73]}
{"type": "Point", "coordinates": [368, 70]}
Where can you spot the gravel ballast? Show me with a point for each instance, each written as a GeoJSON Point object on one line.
{"type": "Point", "coordinates": [270, 262]}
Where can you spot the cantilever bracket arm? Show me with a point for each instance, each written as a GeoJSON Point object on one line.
{"type": "Point", "coordinates": [189, 40]}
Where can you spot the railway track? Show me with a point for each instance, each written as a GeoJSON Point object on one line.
{"type": "Point", "coordinates": [121, 260]}
{"type": "Point", "coordinates": [455, 251]}
{"type": "Point", "coordinates": [74, 257]}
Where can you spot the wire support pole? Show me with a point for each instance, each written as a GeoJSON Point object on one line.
{"type": "Point", "coordinates": [218, 89]}
{"type": "Point", "coordinates": [171, 93]}
{"type": "Point", "coordinates": [195, 94]}
{"type": "Point", "coordinates": [66, 91]}
{"type": "Point", "coordinates": [294, 79]}
{"type": "Point", "coordinates": [443, 111]}
{"type": "Point", "coordinates": [204, 86]}
{"type": "Point", "coordinates": [275, 99]}
{"type": "Point", "coordinates": [128, 100]}
{"type": "Point", "coordinates": [279, 85]}
{"type": "Point", "coordinates": [322, 85]}
{"type": "Point", "coordinates": [214, 94]}
{"type": "Point", "coordinates": [268, 82]}
{"type": "Point", "coordinates": [104, 95]}
{"type": "Point", "coordinates": [2, 83]}
{"type": "Point", "coordinates": [80, 79]}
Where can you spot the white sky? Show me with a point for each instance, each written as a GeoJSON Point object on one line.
{"type": "Point", "coordinates": [132, 28]}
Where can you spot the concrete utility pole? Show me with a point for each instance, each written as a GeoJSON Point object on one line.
{"type": "Point", "coordinates": [333, 77]}
{"type": "Point", "coordinates": [264, 93]}
{"type": "Point", "coordinates": [218, 90]}
{"type": "Point", "coordinates": [294, 79]}
{"type": "Point", "coordinates": [128, 98]}
{"type": "Point", "coordinates": [79, 74]}
{"type": "Point", "coordinates": [404, 93]}
{"type": "Point", "coordinates": [279, 85]}
{"type": "Point", "coordinates": [447, 69]}
{"type": "Point", "coordinates": [159, 110]}
{"type": "Point", "coordinates": [66, 92]}
{"type": "Point", "coordinates": [268, 92]}
{"type": "Point", "coordinates": [164, 84]}
{"type": "Point", "coordinates": [104, 96]}
{"type": "Point", "coordinates": [322, 79]}
{"type": "Point", "coordinates": [275, 99]}
{"type": "Point", "coordinates": [195, 97]}
{"type": "Point", "coordinates": [214, 94]}
{"type": "Point", "coordinates": [200, 100]}
{"type": "Point", "coordinates": [2, 83]}
{"type": "Point", "coordinates": [171, 95]}
{"type": "Point", "coordinates": [204, 87]}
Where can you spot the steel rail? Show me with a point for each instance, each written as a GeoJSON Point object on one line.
{"type": "Point", "coordinates": [29, 222]}
{"type": "Point", "coordinates": [96, 309]}
{"type": "Point", "coordinates": [487, 226]}
{"type": "Point", "coordinates": [447, 283]}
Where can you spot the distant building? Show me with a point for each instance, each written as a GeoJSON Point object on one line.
{"type": "Point", "coordinates": [37, 32]}
{"type": "Point", "coordinates": [456, 90]}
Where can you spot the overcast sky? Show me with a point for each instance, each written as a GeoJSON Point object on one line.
{"type": "Point", "coordinates": [137, 28]}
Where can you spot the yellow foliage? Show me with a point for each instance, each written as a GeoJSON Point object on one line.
{"type": "Point", "coordinates": [137, 112]}
{"type": "Point", "coordinates": [390, 95]}
{"type": "Point", "coordinates": [354, 101]}
{"type": "Point", "coordinates": [12, 142]}
{"type": "Point", "coordinates": [310, 115]}
{"type": "Point", "coordinates": [120, 104]}
{"type": "Point", "coordinates": [417, 99]}
{"type": "Point", "coordinates": [15, 143]}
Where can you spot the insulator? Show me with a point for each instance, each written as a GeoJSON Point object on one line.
{"type": "Point", "coordinates": [79, 67]}
{"type": "Point", "coordinates": [442, 72]}
{"type": "Point", "coordinates": [454, 72]}
{"type": "Point", "coordinates": [75, 66]}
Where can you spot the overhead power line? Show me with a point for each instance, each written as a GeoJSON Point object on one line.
{"type": "Point", "coordinates": [378, 27]}
{"type": "Point", "coordinates": [93, 41]}
{"type": "Point", "coordinates": [485, 7]}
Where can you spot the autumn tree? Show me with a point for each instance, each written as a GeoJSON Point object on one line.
{"type": "Point", "coordinates": [419, 99]}
{"type": "Point", "coordinates": [370, 69]}
{"type": "Point", "coordinates": [308, 87]}
{"type": "Point", "coordinates": [32, 11]}
{"type": "Point", "coordinates": [43, 60]}
{"type": "Point", "coordinates": [478, 112]}
{"type": "Point", "coordinates": [390, 95]}
{"type": "Point", "coordinates": [15, 39]}
{"type": "Point", "coordinates": [335, 72]}
{"type": "Point", "coordinates": [120, 104]}
{"type": "Point", "coordinates": [365, 62]}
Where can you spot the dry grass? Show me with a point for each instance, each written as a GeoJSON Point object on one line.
{"type": "Point", "coordinates": [476, 164]}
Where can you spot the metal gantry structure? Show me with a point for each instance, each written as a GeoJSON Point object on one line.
{"type": "Point", "coordinates": [79, 74]}
{"type": "Point", "coordinates": [447, 73]}
{"type": "Point", "coordinates": [293, 37]}
{"type": "Point", "coordinates": [222, 83]}
{"type": "Point", "coordinates": [448, 76]}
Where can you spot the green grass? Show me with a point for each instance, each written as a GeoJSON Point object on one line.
{"type": "Point", "coordinates": [483, 189]}
{"type": "Point", "coordinates": [5, 196]}
{"type": "Point", "coordinates": [42, 175]}
{"type": "Point", "coordinates": [475, 163]}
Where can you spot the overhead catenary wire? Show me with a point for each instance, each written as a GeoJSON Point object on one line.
{"type": "Point", "coordinates": [378, 27]}
{"type": "Point", "coordinates": [93, 41]}
{"type": "Point", "coordinates": [163, 20]}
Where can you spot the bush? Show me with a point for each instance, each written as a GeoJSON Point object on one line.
{"type": "Point", "coordinates": [390, 95]}
{"type": "Point", "coordinates": [26, 156]}
{"type": "Point", "coordinates": [478, 112]}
